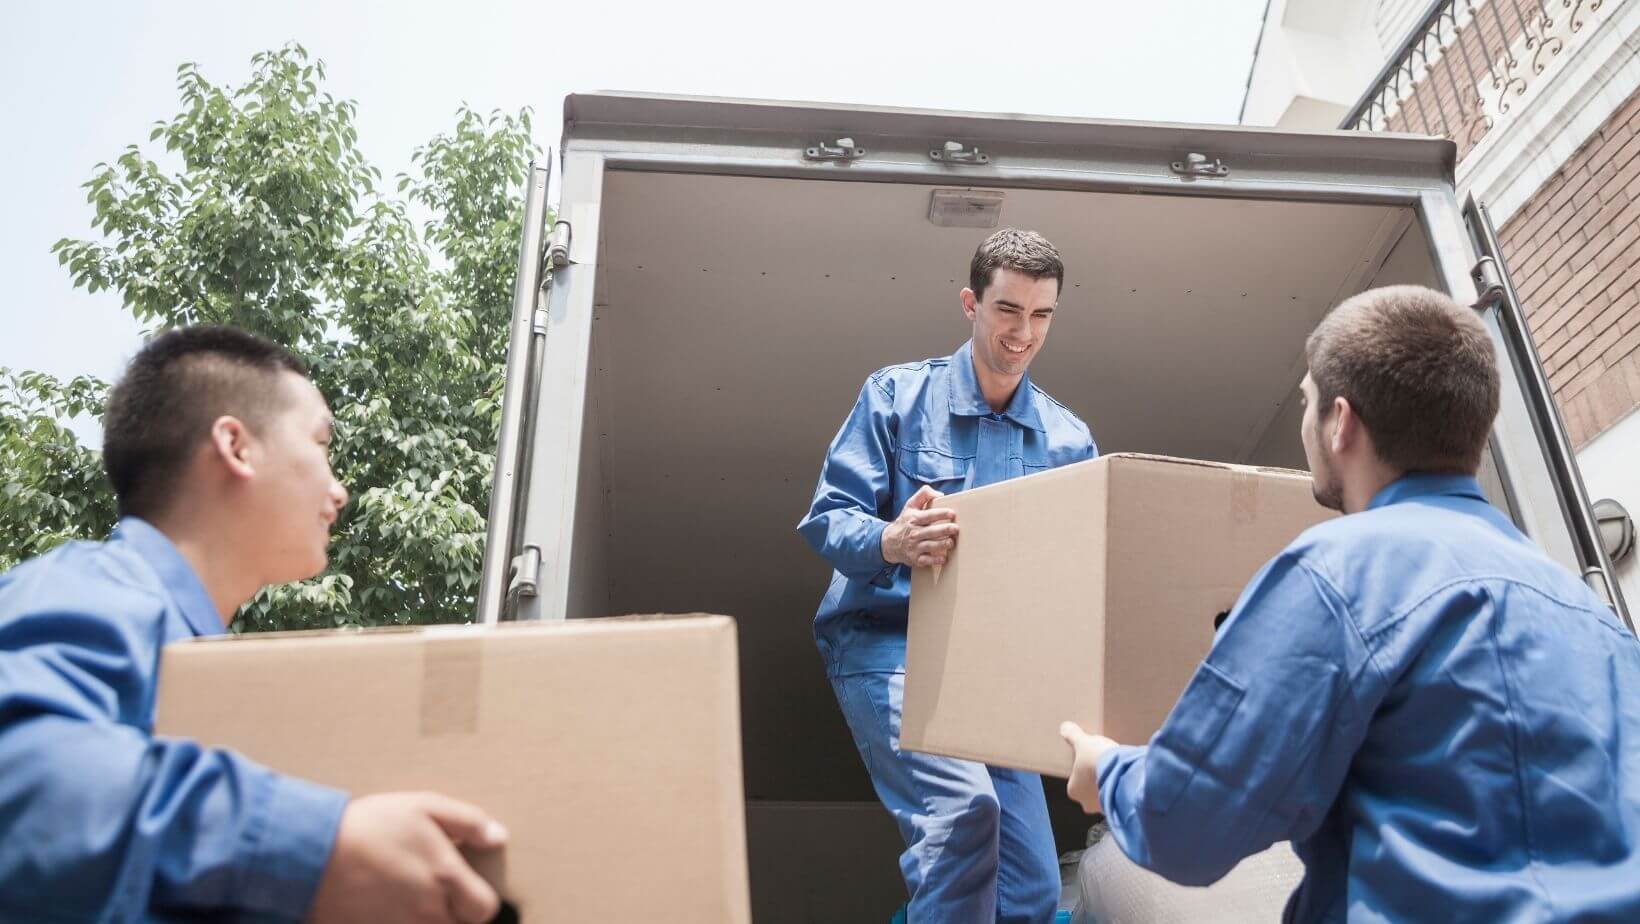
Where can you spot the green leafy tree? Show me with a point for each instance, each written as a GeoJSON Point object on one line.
{"type": "Point", "coordinates": [51, 487]}
{"type": "Point", "coordinates": [261, 212]}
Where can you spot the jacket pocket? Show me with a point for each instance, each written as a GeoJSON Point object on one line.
{"type": "Point", "coordinates": [943, 473]}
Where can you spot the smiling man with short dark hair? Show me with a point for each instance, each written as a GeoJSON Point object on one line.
{"type": "Point", "coordinates": [978, 843]}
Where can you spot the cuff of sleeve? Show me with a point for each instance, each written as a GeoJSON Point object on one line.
{"type": "Point", "coordinates": [1106, 771]}
{"type": "Point", "coordinates": [1102, 767]}
{"type": "Point", "coordinates": [884, 575]}
{"type": "Point", "coordinates": [289, 845]}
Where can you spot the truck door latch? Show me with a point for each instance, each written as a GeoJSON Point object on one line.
{"type": "Point", "coordinates": [842, 149]}
{"type": "Point", "coordinates": [955, 152]}
{"type": "Point", "coordinates": [1195, 166]}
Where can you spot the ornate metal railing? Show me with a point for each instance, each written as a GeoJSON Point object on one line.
{"type": "Point", "coordinates": [1464, 63]}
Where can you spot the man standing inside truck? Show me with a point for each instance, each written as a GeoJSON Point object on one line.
{"type": "Point", "coordinates": [978, 842]}
{"type": "Point", "coordinates": [1444, 722]}
{"type": "Point", "coordinates": [216, 445]}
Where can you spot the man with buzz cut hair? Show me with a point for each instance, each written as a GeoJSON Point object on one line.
{"type": "Point", "coordinates": [1444, 722]}
{"type": "Point", "coordinates": [978, 842]}
{"type": "Point", "coordinates": [217, 447]}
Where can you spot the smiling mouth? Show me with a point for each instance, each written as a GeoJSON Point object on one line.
{"type": "Point", "coordinates": [1017, 351]}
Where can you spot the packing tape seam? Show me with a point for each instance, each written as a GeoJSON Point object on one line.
{"type": "Point", "coordinates": [451, 669]}
{"type": "Point", "coordinates": [1244, 491]}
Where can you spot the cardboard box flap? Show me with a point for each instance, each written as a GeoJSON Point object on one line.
{"type": "Point", "coordinates": [1203, 463]}
{"type": "Point", "coordinates": [444, 630]}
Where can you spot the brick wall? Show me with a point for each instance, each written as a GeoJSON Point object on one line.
{"type": "Point", "coordinates": [1574, 254]}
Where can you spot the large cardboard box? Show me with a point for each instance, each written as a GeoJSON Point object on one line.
{"type": "Point", "coordinates": [1087, 593]}
{"type": "Point", "coordinates": [610, 748]}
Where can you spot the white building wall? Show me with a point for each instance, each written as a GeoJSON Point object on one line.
{"type": "Point", "coordinates": [1314, 57]}
{"type": "Point", "coordinates": [1393, 19]}
{"type": "Point", "coordinates": [1610, 464]}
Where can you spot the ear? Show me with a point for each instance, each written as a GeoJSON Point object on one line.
{"type": "Point", "coordinates": [1346, 431]}
{"type": "Point", "coordinates": [230, 446]}
{"type": "Point", "coordinates": [970, 302]}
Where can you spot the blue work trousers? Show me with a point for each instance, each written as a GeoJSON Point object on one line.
{"type": "Point", "coordinates": [979, 847]}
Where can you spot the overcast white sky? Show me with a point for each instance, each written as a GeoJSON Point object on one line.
{"type": "Point", "coordinates": [81, 80]}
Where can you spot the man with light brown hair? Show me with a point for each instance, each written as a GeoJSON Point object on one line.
{"type": "Point", "coordinates": [1444, 722]}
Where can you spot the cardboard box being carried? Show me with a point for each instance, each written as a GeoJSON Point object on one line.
{"type": "Point", "coordinates": [1087, 593]}
{"type": "Point", "coordinates": [610, 748]}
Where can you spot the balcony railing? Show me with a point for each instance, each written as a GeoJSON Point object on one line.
{"type": "Point", "coordinates": [1466, 64]}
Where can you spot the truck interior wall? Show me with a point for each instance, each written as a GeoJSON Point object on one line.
{"type": "Point", "coordinates": [1407, 262]}
{"type": "Point", "coordinates": [738, 317]}
{"type": "Point", "coordinates": [1280, 446]}
{"type": "Point", "coordinates": [823, 862]}
{"type": "Point", "coordinates": [590, 578]}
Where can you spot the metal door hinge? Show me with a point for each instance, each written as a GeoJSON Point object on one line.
{"type": "Point", "coordinates": [526, 573]}
{"type": "Point", "coordinates": [1197, 165]}
{"type": "Point", "coordinates": [841, 149]}
{"type": "Point", "coordinates": [1488, 283]}
{"type": "Point", "coordinates": [558, 244]}
{"type": "Point", "coordinates": [1616, 528]}
{"type": "Point", "coordinates": [955, 152]}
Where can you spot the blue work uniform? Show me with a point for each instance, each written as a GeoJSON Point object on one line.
{"type": "Point", "coordinates": [1444, 722]}
{"type": "Point", "coordinates": [978, 843]}
{"type": "Point", "coordinates": [99, 819]}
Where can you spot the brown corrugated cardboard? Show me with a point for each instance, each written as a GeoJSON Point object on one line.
{"type": "Point", "coordinates": [610, 748]}
{"type": "Point", "coordinates": [1085, 593]}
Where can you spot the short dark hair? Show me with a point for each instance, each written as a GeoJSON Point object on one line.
{"type": "Point", "coordinates": [1417, 368]}
{"type": "Point", "coordinates": [1024, 252]}
{"type": "Point", "coordinates": [174, 388]}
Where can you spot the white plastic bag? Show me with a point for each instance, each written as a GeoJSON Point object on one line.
{"type": "Point", "coordinates": [1116, 891]}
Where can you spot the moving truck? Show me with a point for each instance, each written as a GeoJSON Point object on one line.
{"type": "Point", "coordinates": [719, 276]}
